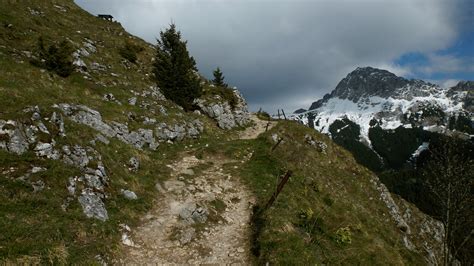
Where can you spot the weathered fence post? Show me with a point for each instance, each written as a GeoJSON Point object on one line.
{"type": "Point", "coordinates": [278, 113]}
{"type": "Point", "coordinates": [275, 194]}
{"type": "Point", "coordinates": [275, 146]}
{"type": "Point", "coordinates": [283, 112]}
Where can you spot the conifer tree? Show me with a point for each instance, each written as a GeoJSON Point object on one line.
{"type": "Point", "coordinates": [56, 58]}
{"type": "Point", "coordinates": [175, 71]}
{"type": "Point", "coordinates": [219, 78]}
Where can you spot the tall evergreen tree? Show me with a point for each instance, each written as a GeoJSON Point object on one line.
{"type": "Point", "coordinates": [219, 78]}
{"type": "Point", "coordinates": [175, 70]}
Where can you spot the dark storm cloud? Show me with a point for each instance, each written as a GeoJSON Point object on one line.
{"type": "Point", "coordinates": [285, 54]}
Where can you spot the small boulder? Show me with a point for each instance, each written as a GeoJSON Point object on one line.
{"type": "Point", "coordinates": [92, 205]}
{"type": "Point", "coordinates": [38, 186]}
{"type": "Point", "coordinates": [133, 164]}
{"type": "Point", "coordinates": [128, 194]}
{"type": "Point", "coordinates": [132, 101]}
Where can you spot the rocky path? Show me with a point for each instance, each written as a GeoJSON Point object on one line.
{"type": "Point", "coordinates": [202, 216]}
{"type": "Point", "coordinates": [258, 127]}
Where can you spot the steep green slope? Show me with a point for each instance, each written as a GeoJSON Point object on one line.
{"type": "Point", "coordinates": [22, 84]}
{"type": "Point", "coordinates": [332, 211]}
{"type": "Point", "coordinates": [34, 225]}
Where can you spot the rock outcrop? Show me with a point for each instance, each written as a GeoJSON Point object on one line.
{"type": "Point", "coordinates": [227, 117]}
{"type": "Point", "coordinates": [142, 137]}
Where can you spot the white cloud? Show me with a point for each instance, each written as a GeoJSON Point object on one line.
{"type": "Point", "coordinates": [277, 52]}
{"type": "Point", "coordinates": [447, 64]}
{"type": "Point", "coordinates": [444, 83]}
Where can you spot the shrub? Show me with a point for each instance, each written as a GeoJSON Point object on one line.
{"type": "Point", "coordinates": [227, 94]}
{"type": "Point", "coordinates": [262, 115]}
{"type": "Point", "coordinates": [129, 51]}
{"type": "Point", "coordinates": [56, 58]}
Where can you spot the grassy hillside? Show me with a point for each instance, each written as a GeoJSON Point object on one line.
{"type": "Point", "coordinates": [330, 212]}
{"type": "Point", "coordinates": [35, 227]}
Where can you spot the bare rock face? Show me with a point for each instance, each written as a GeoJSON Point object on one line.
{"type": "Point", "coordinates": [141, 138]}
{"type": "Point", "coordinates": [179, 131]}
{"type": "Point", "coordinates": [221, 111]}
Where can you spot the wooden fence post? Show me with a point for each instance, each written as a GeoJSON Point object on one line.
{"type": "Point", "coordinates": [276, 145]}
{"type": "Point", "coordinates": [275, 194]}
{"type": "Point", "coordinates": [283, 112]}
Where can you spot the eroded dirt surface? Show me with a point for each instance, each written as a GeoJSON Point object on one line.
{"type": "Point", "coordinates": [202, 215]}
{"type": "Point", "coordinates": [258, 127]}
{"type": "Point", "coordinates": [201, 218]}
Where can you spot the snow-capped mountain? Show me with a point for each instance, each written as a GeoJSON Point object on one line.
{"type": "Point", "coordinates": [368, 100]}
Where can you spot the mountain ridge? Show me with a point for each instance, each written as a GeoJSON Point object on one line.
{"type": "Point", "coordinates": [365, 82]}
{"type": "Point", "coordinates": [368, 95]}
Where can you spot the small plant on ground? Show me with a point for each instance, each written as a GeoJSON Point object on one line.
{"type": "Point", "coordinates": [343, 236]}
{"type": "Point", "coordinates": [310, 223]}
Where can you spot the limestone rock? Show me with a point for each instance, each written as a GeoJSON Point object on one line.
{"type": "Point", "coordinates": [133, 164]}
{"type": "Point", "coordinates": [221, 111]}
{"type": "Point", "coordinates": [193, 213]}
{"type": "Point", "coordinates": [128, 194]}
{"type": "Point", "coordinates": [71, 186]}
{"type": "Point", "coordinates": [109, 97]}
{"type": "Point", "coordinates": [94, 181]}
{"type": "Point", "coordinates": [18, 143]}
{"type": "Point", "coordinates": [77, 156]}
{"type": "Point", "coordinates": [57, 119]}
{"type": "Point", "coordinates": [92, 205]}
{"type": "Point", "coordinates": [38, 185]}
{"type": "Point", "coordinates": [132, 101]}
{"type": "Point", "coordinates": [47, 150]}
{"type": "Point", "coordinates": [319, 145]}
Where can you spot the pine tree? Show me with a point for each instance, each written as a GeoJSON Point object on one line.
{"type": "Point", "coordinates": [175, 70]}
{"type": "Point", "coordinates": [219, 78]}
{"type": "Point", "coordinates": [60, 59]}
{"type": "Point", "coordinates": [56, 58]}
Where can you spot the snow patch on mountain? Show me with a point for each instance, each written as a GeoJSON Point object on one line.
{"type": "Point", "coordinates": [388, 112]}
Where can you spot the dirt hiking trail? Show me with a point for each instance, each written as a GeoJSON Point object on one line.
{"type": "Point", "coordinates": [202, 215]}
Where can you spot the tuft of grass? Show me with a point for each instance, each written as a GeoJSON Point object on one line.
{"type": "Point", "coordinates": [218, 205]}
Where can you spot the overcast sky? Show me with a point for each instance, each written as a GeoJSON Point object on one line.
{"type": "Point", "coordinates": [288, 53]}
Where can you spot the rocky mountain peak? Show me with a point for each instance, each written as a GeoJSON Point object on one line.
{"type": "Point", "coordinates": [464, 86]}
{"type": "Point", "coordinates": [368, 81]}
